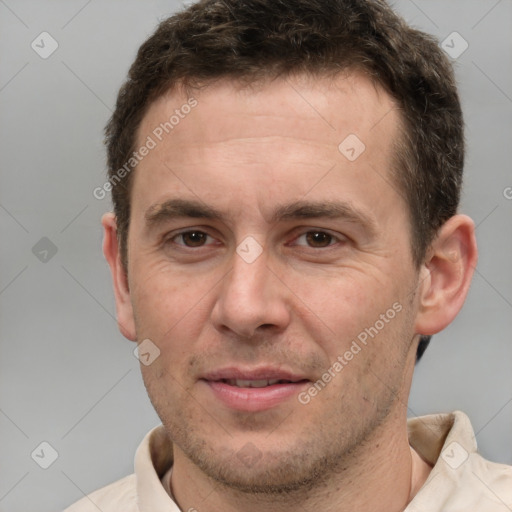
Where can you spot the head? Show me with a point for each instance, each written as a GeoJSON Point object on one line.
{"type": "Point", "coordinates": [297, 259]}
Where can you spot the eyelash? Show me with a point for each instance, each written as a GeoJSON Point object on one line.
{"type": "Point", "coordinates": [333, 238]}
{"type": "Point", "coordinates": [182, 233]}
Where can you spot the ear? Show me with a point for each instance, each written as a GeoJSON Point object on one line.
{"type": "Point", "coordinates": [124, 310]}
{"type": "Point", "coordinates": [446, 275]}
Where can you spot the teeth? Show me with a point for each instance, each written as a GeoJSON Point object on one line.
{"type": "Point", "coordinates": [240, 383]}
{"type": "Point", "coordinates": [251, 383]}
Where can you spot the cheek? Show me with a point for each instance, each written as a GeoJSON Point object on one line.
{"type": "Point", "coordinates": [167, 304]}
{"type": "Point", "coordinates": [340, 304]}
{"type": "Point", "coordinates": [167, 308]}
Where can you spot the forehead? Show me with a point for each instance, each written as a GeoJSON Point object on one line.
{"type": "Point", "coordinates": [349, 100]}
{"type": "Point", "coordinates": [282, 135]}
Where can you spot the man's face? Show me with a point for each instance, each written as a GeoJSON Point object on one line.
{"type": "Point", "coordinates": [261, 250]}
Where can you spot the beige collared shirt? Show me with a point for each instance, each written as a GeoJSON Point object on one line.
{"type": "Point", "coordinates": [461, 480]}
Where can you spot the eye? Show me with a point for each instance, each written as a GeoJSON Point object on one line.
{"type": "Point", "coordinates": [316, 239]}
{"type": "Point", "coordinates": [192, 238]}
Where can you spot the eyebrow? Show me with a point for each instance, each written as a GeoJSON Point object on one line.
{"type": "Point", "coordinates": [178, 208]}
{"type": "Point", "coordinates": [175, 208]}
{"type": "Point", "coordinates": [324, 209]}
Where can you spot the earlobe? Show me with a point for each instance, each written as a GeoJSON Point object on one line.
{"type": "Point", "coordinates": [446, 275]}
{"type": "Point", "coordinates": [124, 310]}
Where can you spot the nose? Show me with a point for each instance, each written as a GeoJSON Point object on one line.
{"type": "Point", "coordinates": [252, 299]}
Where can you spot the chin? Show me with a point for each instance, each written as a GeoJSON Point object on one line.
{"type": "Point", "coordinates": [272, 474]}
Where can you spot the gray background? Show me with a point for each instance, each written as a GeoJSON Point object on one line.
{"type": "Point", "coordinates": [67, 376]}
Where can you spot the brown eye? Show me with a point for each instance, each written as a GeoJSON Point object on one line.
{"type": "Point", "coordinates": [318, 239]}
{"type": "Point", "coordinates": [193, 238]}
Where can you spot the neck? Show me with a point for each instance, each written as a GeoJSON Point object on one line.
{"type": "Point", "coordinates": [384, 473]}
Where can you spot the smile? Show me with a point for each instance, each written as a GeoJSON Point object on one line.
{"type": "Point", "coordinates": [262, 383]}
{"type": "Point", "coordinates": [252, 390]}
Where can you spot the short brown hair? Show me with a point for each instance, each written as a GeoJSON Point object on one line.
{"type": "Point", "coordinates": [249, 40]}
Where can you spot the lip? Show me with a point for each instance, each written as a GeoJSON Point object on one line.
{"type": "Point", "coordinates": [253, 399]}
{"type": "Point", "coordinates": [259, 373]}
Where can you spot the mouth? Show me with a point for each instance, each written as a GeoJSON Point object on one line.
{"type": "Point", "coordinates": [260, 383]}
{"type": "Point", "coordinates": [253, 390]}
